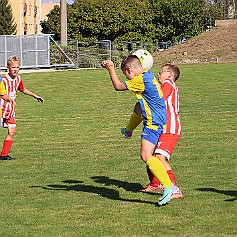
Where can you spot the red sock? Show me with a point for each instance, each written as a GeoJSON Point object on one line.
{"type": "Point", "coordinates": [153, 180]}
{"type": "Point", "coordinates": [172, 177]}
{"type": "Point", "coordinates": [7, 144]}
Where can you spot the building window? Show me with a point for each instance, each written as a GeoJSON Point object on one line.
{"type": "Point", "coordinates": [25, 28]}
{"type": "Point", "coordinates": [24, 9]}
{"type": "Point", "coordinates": [36, 29]}
{"type": "Point", "coordinates": [35, 11]}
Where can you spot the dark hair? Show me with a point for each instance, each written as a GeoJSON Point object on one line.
{"type": "Point", "coordinates": [130, 60]}
{"type": "Point", "coordinates": [174, 69]}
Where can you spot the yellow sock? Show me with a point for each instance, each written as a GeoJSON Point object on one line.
{"type": "Point", "coordinates": [158, 170]}
{"type": "Point", "coordinates": [134, 121]}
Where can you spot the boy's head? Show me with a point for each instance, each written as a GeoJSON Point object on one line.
{"type": "Point", "coordinates": [168, 71]}
{"type": "Point", "coordinates": [131, 66]}
{"type": "Point", "coordinates": [13, 59]}
{"type": "Point", "coordinates": [13, 66]}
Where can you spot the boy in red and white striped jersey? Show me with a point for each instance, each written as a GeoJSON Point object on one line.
{"type": "Point", "coordinates": [13, 83]}
{"type": "Point", "coordinates": [172, 132]}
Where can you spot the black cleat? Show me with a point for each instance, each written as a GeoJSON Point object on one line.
{"type": "Point", "coordinates": [6, 158]}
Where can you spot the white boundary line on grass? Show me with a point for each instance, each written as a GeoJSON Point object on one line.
{"type": "Point", "coordinates": [24, 71]}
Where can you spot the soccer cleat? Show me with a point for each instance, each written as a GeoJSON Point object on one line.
{"type": "Point", "coordinates": [127, 133]}
{"type": "Point", "coordinates": [6, 158]}
{"type": "Point", "coordinates": [177, 194]}
{"type": "Point", "coordinates": [167, 195]}
{"type": "Point", "coordinates": [151, 188]}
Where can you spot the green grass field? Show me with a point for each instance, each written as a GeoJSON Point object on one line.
{"type": "Point", "coordinates": [74, 174]}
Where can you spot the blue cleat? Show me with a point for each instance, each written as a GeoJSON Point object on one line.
{"type": "Point", "coordinates": [167, 195]}
{"type": "Point", "coordinates": [127, 133]}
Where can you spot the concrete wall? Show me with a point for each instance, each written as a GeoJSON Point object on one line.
{"type": "Point", "coordinates": [47, 7]}
{"type": "Point", "coordinates": [225, 22]}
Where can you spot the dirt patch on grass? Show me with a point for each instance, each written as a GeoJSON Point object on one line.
{"type": "Point", "coordinates": [218, 44]}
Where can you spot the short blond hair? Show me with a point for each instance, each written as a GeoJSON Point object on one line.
{"type": "Point", "coordinates": [13, 59]}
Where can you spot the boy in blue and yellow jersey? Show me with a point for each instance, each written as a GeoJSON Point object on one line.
{"type": "Point", "coordinates": [153, 110]}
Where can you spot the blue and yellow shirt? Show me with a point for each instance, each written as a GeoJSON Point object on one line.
{"type": "Point", "coordinates": [150, 97]}
{"type": "Point", "coordinates": [2, 87]}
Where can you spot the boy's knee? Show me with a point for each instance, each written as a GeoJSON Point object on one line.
{"type": "Point", "coordinates": [161, 157]}
{"type": "Point", "coordinates": [12, 132]}
{"type": "Point", "coordinates": [137, 108]}
{"type": "Point", "coordinates": [145, 157]}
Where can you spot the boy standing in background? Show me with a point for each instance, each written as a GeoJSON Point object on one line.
{"type": "Point", "coordinates": [13, 83]}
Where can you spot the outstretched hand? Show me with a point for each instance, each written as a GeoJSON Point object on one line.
{"type": "Point", "coordinates": [40, 99]}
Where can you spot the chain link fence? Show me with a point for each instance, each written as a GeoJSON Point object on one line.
{"type": "Point", "coordinates": [41, 51]}
{"type": "Point", "coordinates": [34, 51]}
{"type": "Point", "coordinates": [90, 54]}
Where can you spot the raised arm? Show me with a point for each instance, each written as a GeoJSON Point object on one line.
{"type": "Point", "coordinates": [109, 65]}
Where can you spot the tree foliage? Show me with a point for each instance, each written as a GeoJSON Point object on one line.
{"type": "Point", "coordinates": [7, 24]}
{"type": "Point", "coordinates": [52, 25]}
{"type": "Point", "coordinates": [102, 19]}
{"type": "Point", "coordinates": [230, 8]}
{"type": "Point", "coordinates": [132, 20]}
{"type": "Point", "coordinates": [178, 19]}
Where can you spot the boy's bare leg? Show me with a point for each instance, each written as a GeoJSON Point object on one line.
{"type": "Point", "coordinates": [134, 121]}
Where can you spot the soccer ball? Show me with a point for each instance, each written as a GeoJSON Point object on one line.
{"type": "Point", "coordinates": [145, 57]}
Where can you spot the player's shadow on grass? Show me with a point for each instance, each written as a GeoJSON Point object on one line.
{"type": "Point", "coordinates": [231, 193]}
{"type": "Point", "coordinates": [79, 186]}
{"type": "Point", "coordinates": [131, 187]}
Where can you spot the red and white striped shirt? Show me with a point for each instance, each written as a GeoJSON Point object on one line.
{"type": "Point", "coordinates": [171, 95]}
{"type": "Point", "coordinates": [12, 85]}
